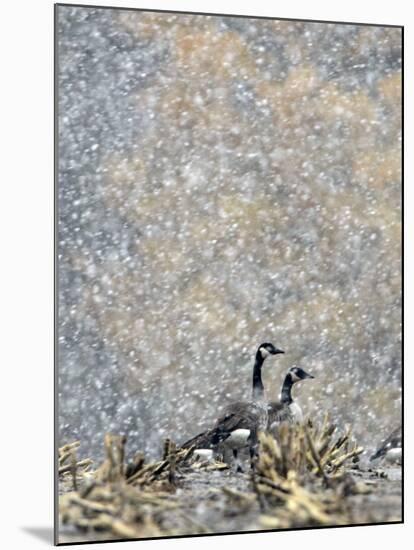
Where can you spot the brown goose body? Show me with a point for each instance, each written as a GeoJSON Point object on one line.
{"type": "Point", "coordinates": [279, 412]}
{"type": "Point", "coordinates": [241, 415]}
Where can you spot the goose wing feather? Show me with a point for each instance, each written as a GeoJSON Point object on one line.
{"type": "Point", "coordinates": [239, 415]}
{"type": "Point", "coordinates": [201, 441]}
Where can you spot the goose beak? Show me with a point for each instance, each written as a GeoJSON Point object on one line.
{"type": "Point", "coordinates": [276, 351]}
{"type": "Point", "coordinates": [307, 375]}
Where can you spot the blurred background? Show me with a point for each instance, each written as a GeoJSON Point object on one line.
{"type": "Point", "coordinates": [225, 181]}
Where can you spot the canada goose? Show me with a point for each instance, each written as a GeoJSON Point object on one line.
{"type": "Point", "coordinates": [240, 422]}
{"type": "Point", "coordinates": [287, 410]}
{"type": "Point", "coordinates": [391, 448]}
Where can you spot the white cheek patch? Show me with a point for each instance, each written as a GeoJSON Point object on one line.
{"type": "Point", "coordinates": [264, 352]}
{"type": "Point", "coordinates": [294, 376]}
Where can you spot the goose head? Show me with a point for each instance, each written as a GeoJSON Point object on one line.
{"type": "Point", "coordinates": [266, 349]}
{"type": "Point", "coordinates": [297, 374]}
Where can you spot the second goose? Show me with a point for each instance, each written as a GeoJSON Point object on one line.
{"type": "Point", "coordinates": [286, 409]}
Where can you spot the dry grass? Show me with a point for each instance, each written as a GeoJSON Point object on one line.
{"type": "Point", "coordinates": [134, 500]}
{"type": "Point", "coordinates": [302, 475]}
{"type": "Point", "coordinates": [302, 478]}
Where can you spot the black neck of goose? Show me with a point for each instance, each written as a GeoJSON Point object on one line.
{"type": "Point", "coordinates": [258, 388]}
{"type": "Point", "coordinates": [286, 396]}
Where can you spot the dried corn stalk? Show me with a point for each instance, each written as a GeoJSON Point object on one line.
{"type": "Point", "coordinates": [298, 473]}
{"type": "Point", "coordinates": [125, 500]}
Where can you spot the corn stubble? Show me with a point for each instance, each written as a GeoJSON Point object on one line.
{"type": "Point", "coordinates": [301, 478]}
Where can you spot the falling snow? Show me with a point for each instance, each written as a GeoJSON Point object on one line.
{"type": "Point", "coordinates": [223, 182]}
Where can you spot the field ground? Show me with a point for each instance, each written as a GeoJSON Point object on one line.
{"type": "Point", "coordinates": [221, 501]}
